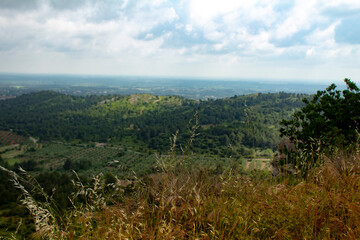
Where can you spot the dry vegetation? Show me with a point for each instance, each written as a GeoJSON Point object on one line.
{"type": "Point", "coordinates": [178, 203]}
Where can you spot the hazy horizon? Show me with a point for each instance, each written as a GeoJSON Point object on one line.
{"type": "Point", "coordinates": [195, 88]}
{"type": "Point", "coordinates": [185, 78]}
{"type": "Point", "coordinates": [173, 78]}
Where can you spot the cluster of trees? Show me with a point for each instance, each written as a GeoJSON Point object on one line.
{"type": "Point", "coordinates": [330, 118]}
{"type": "Point", "coordinates": [327, 124]}
{"type": "Point", "coordinates": [250, 121]}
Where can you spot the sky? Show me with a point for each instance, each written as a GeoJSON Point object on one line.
{"type": "Point", "coordinates": [311, 40]}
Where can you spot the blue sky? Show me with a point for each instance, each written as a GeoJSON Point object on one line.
{"type": "Point", "coordinates": [314, 40]}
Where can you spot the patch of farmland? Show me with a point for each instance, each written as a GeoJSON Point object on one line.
{"type": "Point", "coordinates": [50, 154]}
{"type": "Point", "coordinates": [10, 138]}
{"type": "Point", "coordinates": [259, 164]}
{"type": "Point", "coordinates": [12, 154]}
{"type": "Point", "coordinates": [94, 154]}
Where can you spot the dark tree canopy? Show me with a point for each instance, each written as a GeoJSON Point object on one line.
{"type": "Point", "coordinates": [329, 121]}
{"type": "Point", "coordinates": [244, 122]}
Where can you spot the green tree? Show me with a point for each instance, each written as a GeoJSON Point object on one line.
{"type": "Point", "coordinates": [328, 122]}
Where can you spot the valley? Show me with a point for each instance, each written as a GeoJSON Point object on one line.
{"type": "Point", "coordinates": [158, 154]}
{"type": "Point", "coordinates": [57, 132]}
{"type": "Point", "coordinates": [52, 134]}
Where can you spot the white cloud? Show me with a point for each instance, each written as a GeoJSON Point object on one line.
{"type": "Point", "coordinates": [337, 3]}
{"type": "Point", "coordinates": [223, 35]}
{"type": "Point", "coordinates": [301, 16]}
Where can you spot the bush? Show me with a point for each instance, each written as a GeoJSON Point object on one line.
{"type": "Point", "coordinates": [328, 122]}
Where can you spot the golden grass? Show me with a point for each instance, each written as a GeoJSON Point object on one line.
{"type": "Point", "coordinates": [178, 203]}
{"type": "Point", "coordinates": [198, 205]}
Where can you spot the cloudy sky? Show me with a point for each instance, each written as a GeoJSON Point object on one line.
{"type": "Point", "coordinates": [269, 39]}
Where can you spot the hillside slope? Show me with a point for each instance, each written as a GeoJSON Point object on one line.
{"type": "Point", "coordinates": [224, 125]}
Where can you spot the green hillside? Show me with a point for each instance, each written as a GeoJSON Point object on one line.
{"type": "Point", "coordinates": [165, 167]}
{"type": "Point", "coordinates": [242, 122]}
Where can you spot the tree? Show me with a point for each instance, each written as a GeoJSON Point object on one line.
{"type": "Point", "coordinates": [328, 122]}
{"type": "Point", "coordinates": [67, 165]}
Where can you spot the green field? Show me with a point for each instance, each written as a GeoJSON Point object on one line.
{"type": "Point", "coordinates": [123, 161]}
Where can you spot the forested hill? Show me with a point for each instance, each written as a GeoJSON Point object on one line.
{"type": "Point", "coordinates": [225, 125]}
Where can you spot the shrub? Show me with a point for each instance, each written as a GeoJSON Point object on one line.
{"type": "Point", "coordinates": [329, 122]}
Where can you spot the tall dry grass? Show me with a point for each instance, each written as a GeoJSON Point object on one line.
{"type": "Point", "coordinates": [175, 204]}
{"type": "Point", "coordinates": [184, 202]}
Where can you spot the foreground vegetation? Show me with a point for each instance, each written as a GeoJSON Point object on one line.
{"type": "Point", "coordinates": [176, 203]}
{"type": "Point", "coordinates": [328, 122]}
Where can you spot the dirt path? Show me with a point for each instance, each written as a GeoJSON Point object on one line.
{"type": "Point", "coordinates": [33, 139]}
{"type": "Point", "coordinates": [248, 165]}
{"type": "Point", "coordinates": [141, 110]}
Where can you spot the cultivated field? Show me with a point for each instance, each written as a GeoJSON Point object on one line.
{"type": "Point", "coordinates": [10, 138]}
